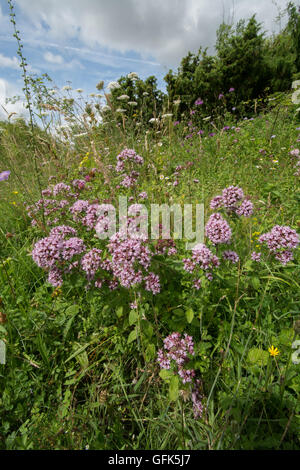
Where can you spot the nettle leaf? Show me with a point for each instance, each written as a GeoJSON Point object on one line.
{"type": "Point", "coordinates": [258, 356]}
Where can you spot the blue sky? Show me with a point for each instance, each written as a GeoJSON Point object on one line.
{"type": "Point", "coordinates": [87, 41]}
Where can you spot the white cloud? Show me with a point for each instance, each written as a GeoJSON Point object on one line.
{"type": "Point", "coordinates": [8, 90]}
{"type": "Point", "coordinates": [165, 30]}
{"type": "Point", "coordinates": [53, 58]}
{"type": "Point", "coordinates": [9, 62]}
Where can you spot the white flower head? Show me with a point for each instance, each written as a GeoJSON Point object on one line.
{"type": "Point", "coordinates": [132, 103]}
{"type": "Point", "coordinates": [113, 85]}
{"type": "Point", "coordinates": [66, 88]}
{"type": "Point", "coordinates": [123, 97]}
{"type": "Point", "coordinates": [79, 90]}
{"type": "Point", "coordinates": [133, 76]}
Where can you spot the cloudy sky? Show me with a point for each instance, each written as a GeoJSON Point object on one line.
{"type": "Point", "coordinates": [83, 42]}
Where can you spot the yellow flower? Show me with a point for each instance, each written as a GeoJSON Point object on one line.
{"type": "Point", "coordinates": [273, 351]}
{"type": "Point", "coordinates": [15, 192]}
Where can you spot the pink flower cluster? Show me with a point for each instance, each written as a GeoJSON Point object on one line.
{"type": "Point", "coordinates": [217, 229]}
{"type": "Point", "coordinates": [202, 258]}
{"type": "Point", "coordinates": [175, 354]}
{"type": "Point", "coordinates": [281, 240]}
{"type": "Point", "coordinates": [131, 259]}
{"type": "Point", "coordinates": [52, 253]}
{"type": "Point", "coordinates": [177, 349]}
{"type": "Point", "coordinates": [231, 256]}
{"type": "Point", "coordinates": [132, 159]}
{"type": "Point", "coordinates": [230, 198]}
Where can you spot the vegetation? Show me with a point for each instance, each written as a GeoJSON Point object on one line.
{"type": "Point", "coordinates": [142, 344]}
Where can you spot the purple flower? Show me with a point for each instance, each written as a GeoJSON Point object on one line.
{"type": "Point", "coordinates": [91, 262]}
{"type": "Point", "coordinates": [199, 102]}
{"type": "Point", "coordinates": [231, 196]}
{"type": "Point", "coordinates": [255, 256]}
{"type": "Point", "coordinates": [231, 256]}
{"type": "Point", "coordinates": [217, 229]}
{"type": "Point", "coordinates": [231, 90]}
{"type": "Point", "coordinates": [221, 96]}
{"type": "Point", "coordinates": [4, 175]}
{"type": "Point", "coordinates": [245, 209]}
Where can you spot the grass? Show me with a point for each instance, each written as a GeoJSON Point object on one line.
{"type": "Point", "coordinates": [76, 375]}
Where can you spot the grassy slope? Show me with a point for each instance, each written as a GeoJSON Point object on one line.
{"type": "Point", "coordinates": [109, 394]}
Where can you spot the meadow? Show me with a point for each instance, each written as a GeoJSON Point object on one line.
{"type": "Point", "coordinates": [127, 343]}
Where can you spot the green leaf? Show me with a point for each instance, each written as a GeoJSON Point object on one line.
{"type": "Point", "coordinates": [150, 352]}
{"type": "Point", "coordinates": [132, 336]}
{"type": "Point", "coordinates": [147, 328]}
{"type": "Point", "coordinates": [255, 282]}
{"type": "Point", "coordinates": [174, 388]}
{"type": "Point", "coordinates": [72, 310]}
{"type": "Point", "coordinates": [119, 311]}
{"type": "Point", "coordinates": [165, 374]}
{"type": "Point", "coordinates": [258, 357]}
{"type": "Point", "coordinates": [189, 315]}
{"type": "Point", "coordinates": [133, 317]}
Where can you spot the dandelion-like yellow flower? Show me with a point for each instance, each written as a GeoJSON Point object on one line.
{"type": "Point", "coordinates": [273, 351]}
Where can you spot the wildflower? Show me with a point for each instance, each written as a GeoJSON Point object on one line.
{"type": "Point", "coordinates": [245, 209]}
{"type": "Point", "coordinates": [133, 75]}
{"type": "Point", "coordinates": [231, 256]}
{"type": "Point", "coordinates": [91, 262]}
{"type": "Point", "coordinates": [231, 90]}
{"type": "Point", "coordinates": [4, 175]}
{"type": "Point", "coordinates": [197, 400]}
{"type": "Point", "coordinates": [113, 85]}
{"type": "Point", "coordinates": [79, 90]}
{"type": "Point", "coordinates": [123, 97]}
{"type": "Point", "coordinates": [132, 103]}
{"type": "Point", "coordinates": [281, 240]}
{"type": "Point", "coordinates": [231, 196]}
{"type": "Point", "coordinates": [199, 102]}
{"type": "Point", "coordinates": [152, 283]}
{"type": "Point", "coordinates": [221, 96]}
{"type": "Point", "coordinates": [143, 195]}
{"type": "Point", "coordinates": [273, 351]}
{"type": "Point", "coordinates": [217, 229]}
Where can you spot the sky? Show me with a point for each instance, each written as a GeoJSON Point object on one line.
{"type": "Point", "coordinates": [79, 43]}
